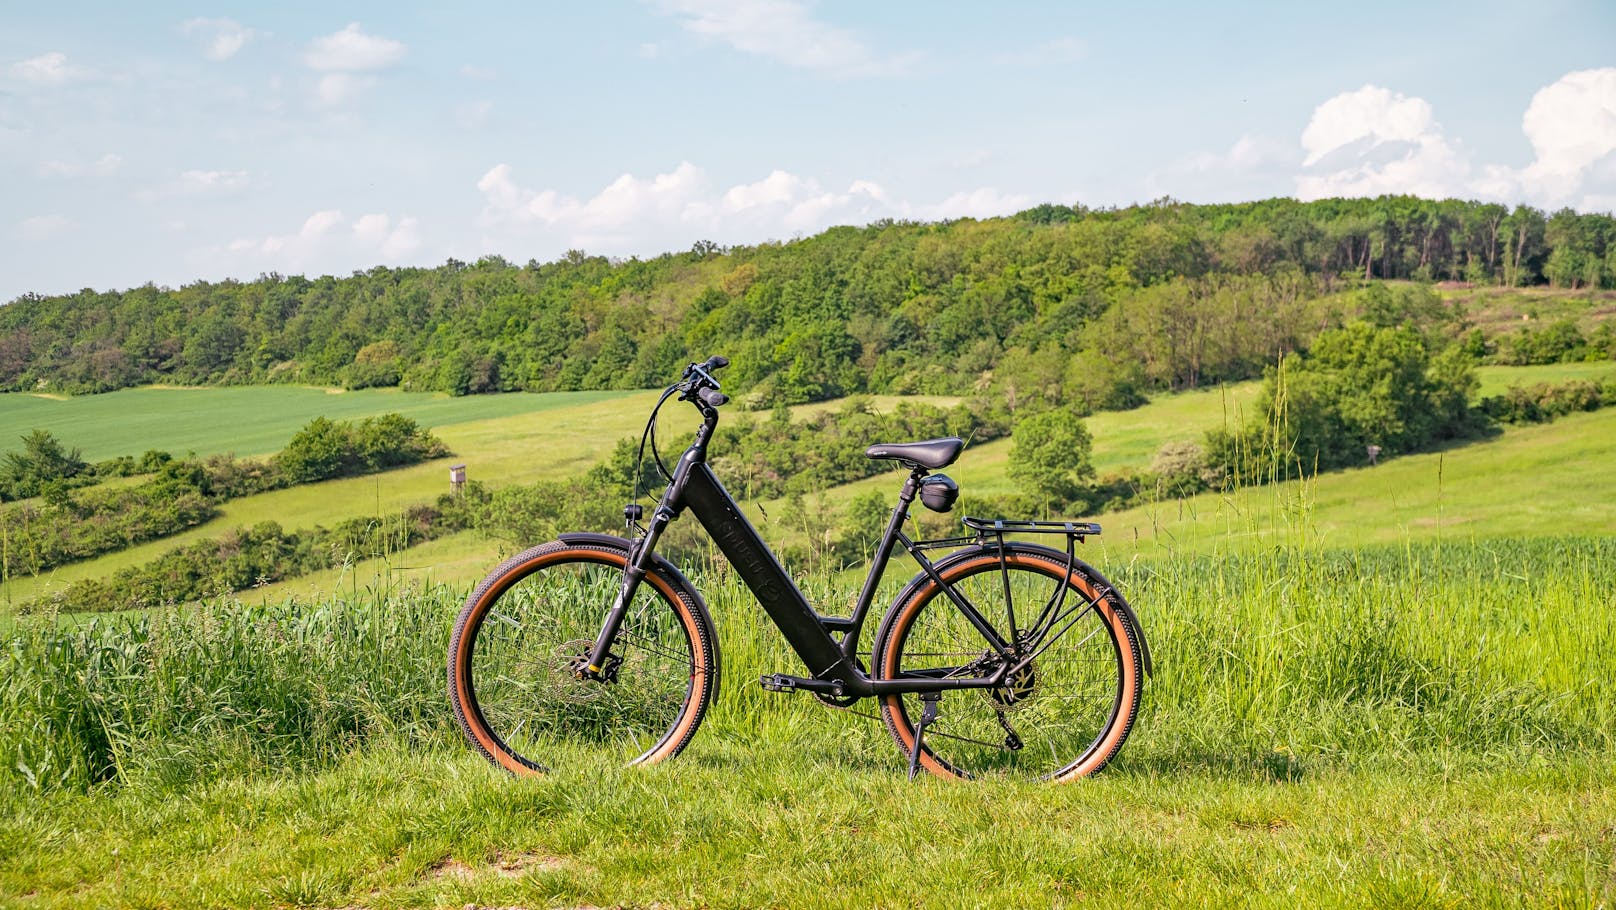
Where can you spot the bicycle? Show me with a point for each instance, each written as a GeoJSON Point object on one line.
{"type": "Point", "coordinates": [593, 642]}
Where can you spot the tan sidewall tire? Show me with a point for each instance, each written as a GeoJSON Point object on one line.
{"type": "Point", "coordinates": [1124, 636]}
{"type": "Point", "coordinates": [513, 570]}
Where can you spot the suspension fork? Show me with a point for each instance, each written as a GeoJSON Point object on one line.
{"type": "Point", "coordinates": [641, 557]}
{"type": "Point", "coordinates": [639, 562]}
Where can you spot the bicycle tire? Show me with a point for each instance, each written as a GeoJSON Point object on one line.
{"type": "Point", "coordinates": [517, 640]}
{"type": "Point", "coordinates": [1073, 707]}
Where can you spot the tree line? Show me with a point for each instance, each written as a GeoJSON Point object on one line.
{"type": "Point", "coordinates": [1058, 306]}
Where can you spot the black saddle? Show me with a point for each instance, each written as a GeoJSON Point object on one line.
{"type": "Point", "coordinates": [931, 454]}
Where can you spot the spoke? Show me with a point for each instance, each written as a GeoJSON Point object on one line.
{"type": "Point", "coordinates": [492, 614]}
{"type": "Point", "coordinates": [650, 646]}
{"type": "Point", "coordinates": [1046, 645]}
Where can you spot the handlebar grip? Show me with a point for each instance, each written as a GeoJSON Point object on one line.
{"type": "Point", "coordinates": [713, 397]}
{"type": "Point", "coordinates": [715, 362]}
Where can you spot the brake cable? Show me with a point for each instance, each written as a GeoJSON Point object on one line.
{"type": "Point", "coordinates": [650, 433]}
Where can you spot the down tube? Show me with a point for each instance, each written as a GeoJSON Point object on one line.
{"type": "Point", "coordinates": [774, 589]}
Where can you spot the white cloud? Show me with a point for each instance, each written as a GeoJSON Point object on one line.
{"type": "Point", "coordinates": [326, 241]}
{"type": "Point", "coordinates": [352, 51]}
{"type": "Point", "coordinates": [483, 73]}
{"type": "Point", "coordinates": [218, 39]}
{"type": "Point", "coordinates": [1254, 167]}
{"type": "Point", "coordinates": [198, 182]}
{"type": "Point", "coordinates": [1572, 127]}
{"type": "Point", "coordinates": [348, 59]}
{"type": "Point", "coordinates": [44, 227]}
{"type": "Point", "coordinates": [1375, 141]}
{"type": "Point", "coordinates": [984, 202]}
{"type": "Point", "coordinates": [47, 69]}
{"type": "Point", "coordinates": [634, 215]}
{"type": "Point", "coordinates": [784, 31]}
{"type": "Point", "coordinates": [338, 89]}
{"type": "Point", "coordinates": [105, 166]}
{"type": "Point", "coordinates": [393, 240]}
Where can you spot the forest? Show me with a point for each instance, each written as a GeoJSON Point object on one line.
{"type": "Point", "coordinates": [1056, 306]}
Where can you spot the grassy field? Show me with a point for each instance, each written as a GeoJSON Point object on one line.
{"type": "Point", "coordinates": [1390, 726]}
{"type": "Point", "coordinates": [246, 420]}
{"type": "Point", "coordinates": [1503, 310]}
{"type": "Point", "coordinates": [565, 438]}
{"type": "Point", "coordinates": [1385, 687]}
{"type": "Point", "coordinates": [1495, 380]}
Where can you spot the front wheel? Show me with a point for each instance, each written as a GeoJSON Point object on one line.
{"type": "Point", "coordinates": [526, 629]}
{"type": "Point", "coordinates": [1062, 715]}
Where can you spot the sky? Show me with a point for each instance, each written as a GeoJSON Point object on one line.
{"type": "Point", "coordinates": [175, 142]}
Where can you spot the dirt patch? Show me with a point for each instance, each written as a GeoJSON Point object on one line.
{"type": "Point", "coordinates": [503, 865]}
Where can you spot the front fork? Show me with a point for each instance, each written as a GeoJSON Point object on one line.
{"type": "Point", "coordinates": [600, 665]}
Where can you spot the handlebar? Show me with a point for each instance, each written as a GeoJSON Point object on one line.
{"type": "Point", "coordinates": [698, 382]}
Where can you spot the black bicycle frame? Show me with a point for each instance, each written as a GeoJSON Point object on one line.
{"type": "Point", "coordinates": [833, 666]}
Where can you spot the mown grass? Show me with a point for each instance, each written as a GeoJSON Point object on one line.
{"type": "Point", "coordinates": [1537, 480]}
{"type": "Point", "coordinates": [246, 420]}
{"type": "Point", "coordinates": [1403, 725]}
{"type": "Point", "coordinates": [1497, 380]}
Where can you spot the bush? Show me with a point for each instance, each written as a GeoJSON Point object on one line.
{"type": "Point", "coordinates": [42, 460]}
{"type": "Point", "coordinates": [1359, 386]}
{"type": "Point", "coordinates": [325, 448]}
{"type": "Point", "coordinates": [1049, 458]}
{"type": "Point", "coordinates": [1545, 401]}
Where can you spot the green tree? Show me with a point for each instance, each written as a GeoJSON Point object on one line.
{"type": "Point", "coordinates": [1049, 457]}
{"type": "Point", "coordinates": [43, 460]}
{"type": "Point", "coordinates": [320, 450]}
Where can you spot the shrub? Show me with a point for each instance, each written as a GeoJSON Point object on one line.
{"type": "Point", "coordinates": [1049, 457]}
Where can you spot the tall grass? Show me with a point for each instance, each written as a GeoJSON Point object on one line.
{"type": "Point", "coordinates": [164, 696]}
{"type": "Point", "coordinates": [1275, 663]}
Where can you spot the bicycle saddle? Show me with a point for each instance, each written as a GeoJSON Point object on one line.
{"type": "Point", "coordinates": [931, 454]}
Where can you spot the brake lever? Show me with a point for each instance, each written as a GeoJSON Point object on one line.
{"type": "Point", "coordinates": [698, 369]}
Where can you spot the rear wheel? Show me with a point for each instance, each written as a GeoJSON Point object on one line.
{"type": "Point", "coordinates": [528, 627]}
{"type": "Point", "coordinates": [1062, 715]}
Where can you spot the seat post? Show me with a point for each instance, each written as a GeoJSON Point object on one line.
{"type": "Point", "coordinates": [911, 486]}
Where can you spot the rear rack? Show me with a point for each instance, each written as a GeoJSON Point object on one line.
{"type": "Point", "coordinates": [1003, 526]}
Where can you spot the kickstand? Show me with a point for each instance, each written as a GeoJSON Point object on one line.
{"type": "Point", "coordinates": [926, 717]}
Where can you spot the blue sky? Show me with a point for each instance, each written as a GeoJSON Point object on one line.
{"type": "Point", "coordinates": [175, 142]}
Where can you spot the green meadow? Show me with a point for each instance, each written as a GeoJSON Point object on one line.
{"type": "Point", "coordinates": [1387, 686]}
{"type": "Point", "coordinates": [537, 437]}
{"type": "Point", "coordinates": [245, 420]}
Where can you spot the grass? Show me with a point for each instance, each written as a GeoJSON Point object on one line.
{"type": "Point", "coordinates": [1497, 380]}
{"type": "Point", "coordinates": [1504, 310]}
{"type": "Point", "coordinates": [521, 448]}
{"type": "Point", "coordinates": [567, 435]}
{"type": "Point", "coordinates": [246, 420]}
{"type": "Point", "coordinates": [1538, 480]}
{"type": "Point", "coordinates": [1404, 725]}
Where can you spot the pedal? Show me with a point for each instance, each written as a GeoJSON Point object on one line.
{"type": "Point", "coordinates": [778, 682]}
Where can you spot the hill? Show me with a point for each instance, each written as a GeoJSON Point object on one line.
{"type": "Point", "coordinates": [1060, 304]}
